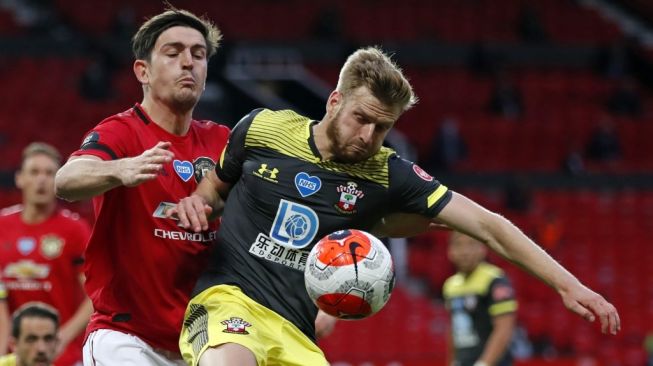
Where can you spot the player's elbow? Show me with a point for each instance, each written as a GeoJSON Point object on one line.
{"type": "Point", "coordinates": [494, 232]}
{"type": "Point", "coordinates": [61, 185]}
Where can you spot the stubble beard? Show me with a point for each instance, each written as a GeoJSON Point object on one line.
{"type": "Point", "coordinates": [338, 146]}
{"type": "Point", "coordinates": [184, 101]}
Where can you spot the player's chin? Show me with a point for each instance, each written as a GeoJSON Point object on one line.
{"type": "Point", "coordinates": [186, 98]}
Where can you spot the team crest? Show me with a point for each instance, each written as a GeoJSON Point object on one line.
{"type": "Point", "coordinates": [421, 173]}
{"type": "Point", "coordinates": [202, 166]}
{"type": "Point", "coordinates": [349, 194]}
{"type": "Point", "coordinates": [51, 246]}
{"type": "Point", "coordinates": [235, 325]}
{"type": "Point", "coordinates": [26, 245]}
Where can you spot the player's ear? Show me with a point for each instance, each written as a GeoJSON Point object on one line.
{"type": "Point", "coordinates": [18, 179]}
{"type": "Point", "coordinates": [335, 98]}
{"type": "Point", "coordinates": [141, 71]}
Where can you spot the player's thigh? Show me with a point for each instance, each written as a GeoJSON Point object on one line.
{"type": "Point", "coordinates": [106, 347]}
{"type": "Point", "coordinates": [219, 316]}
{"type": "Point", "coordinates": [294, 348]}
{"type": "Point", "coordinates": [228, 354]}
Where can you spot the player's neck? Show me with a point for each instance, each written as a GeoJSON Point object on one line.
{"type": "Point", "coordinates": [322, 141]}
{"type": "Point", "coordinates": [175, 122]}
{"type": "Point", "coordinates": [35, 214]}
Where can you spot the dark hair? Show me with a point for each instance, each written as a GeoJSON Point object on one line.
{"type": "Point", "coordinates": [33, 310]}
{"type": "Point", "coordinates": [144, 40]}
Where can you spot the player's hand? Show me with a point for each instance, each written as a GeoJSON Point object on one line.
{"type": "Point", "coordinates": [324, 324]}
{"type": "Point", "coordinates": [590, 305]}
{"type": "Point", "coordinates": [192, 212]}
{"type": "Point", "coordinates": [146, 166]}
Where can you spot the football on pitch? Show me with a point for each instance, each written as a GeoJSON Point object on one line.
{"type": "Point", "coordinates": [349, 274]}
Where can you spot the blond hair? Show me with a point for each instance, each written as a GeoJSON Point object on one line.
{"type": "Point", "coordinates": [372, 68]}
{"type": "Point", "coordinates": [41, 148]}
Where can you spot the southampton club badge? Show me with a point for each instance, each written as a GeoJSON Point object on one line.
{"type": "Point", "coordinates": [235, 325]}
{"type": "Point", "coordinates": [51, 246]}
{"type": "Point", "coordinates": [349, 194]}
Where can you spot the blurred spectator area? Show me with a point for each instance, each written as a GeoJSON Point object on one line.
{"type": "Point", "coordinates": [604, 241]}
{"type": "Point", "coordinates": [455, 21]}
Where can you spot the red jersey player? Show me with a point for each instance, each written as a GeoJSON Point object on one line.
{"type": "Point", "coordinates": [41, 250]}
{"type": "Point", "coordinates": [140, 266]}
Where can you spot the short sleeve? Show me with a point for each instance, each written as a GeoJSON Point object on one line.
{"type": "Point", "coordinates": [3, 291]}
{"type": "Point", "coordinates": [108, 140]}
{"type": "Point", "coordinates": [415, 191]}
{"type": "Point", "coordinates": [501, 297]}
{"type": "Point", "coordinates": [231, 161]}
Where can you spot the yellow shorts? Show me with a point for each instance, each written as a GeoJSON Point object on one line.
{"type": "Point", "coordinates": [223, 314]}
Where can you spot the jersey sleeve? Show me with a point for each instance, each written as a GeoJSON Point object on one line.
{"type": "Point", "coordinates": [3, 291]}
{"type": "Point", "coordinates": [501, 297]}
{"type": "Point", "coordinates": [415, 191]}
{"type": "Point", "coordinates": [108, 141]}
{"type": "Point", "coordinates": [233, 156]}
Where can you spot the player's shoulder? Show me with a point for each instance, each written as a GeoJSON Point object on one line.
{"type": "Point", "coordinates": [130, 118]}
{"type": "Point", "coordinates": [8, 360]}
{"type": "Point", "coordinates": [210, 127]}
{"type": "Point", "coordinates": [67, 215]}
{"type": "Point", "coordinates": [452, 282]}
{"type": "Point", "coordinates": [490, 271]}
{"type": "Point", "coordinates": [11, 211]}
{"type": "Point", "coordinates": [286, 121]}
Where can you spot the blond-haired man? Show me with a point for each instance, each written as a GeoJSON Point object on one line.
{"type": "Point", "coordinates": [280, 168]}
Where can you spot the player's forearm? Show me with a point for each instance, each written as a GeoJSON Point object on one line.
{"type": "Point", "coordinates": [209, 191]}
{"type": "Point", "coordinates": [85, 178]}
{"type": "Point", "coordinates": [77, 324]}
{"type": "Point", "coordinates": [499, 340]}
{"type": "Point", "coordinates": [506, 239]}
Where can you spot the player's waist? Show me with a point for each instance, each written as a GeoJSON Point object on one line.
{"type": "Point", "coordinates": [160, 334]}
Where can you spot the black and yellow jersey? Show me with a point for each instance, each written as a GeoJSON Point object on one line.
{"type": "Point", "coordinates": [285, 197]}
{"type": "Point", "coordinates": [472, 302]}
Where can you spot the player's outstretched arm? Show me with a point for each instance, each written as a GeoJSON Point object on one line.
{"type": "Point", "coordinates": [324, 324]}
{"type": "Point", "coordinates": [501, 235]}
{"type": "Point", "coordinates": [86, 176]}
{"type": "Point", "coordinates": [195, 211]}
{"type": "Point", "coordinates": [404, 225]}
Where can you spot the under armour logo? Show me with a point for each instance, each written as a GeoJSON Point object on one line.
{"type": "Point", "coordinates": [267, 174]}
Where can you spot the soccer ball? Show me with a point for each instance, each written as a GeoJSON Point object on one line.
{"type": "Point", "coordinates": [349, 274]}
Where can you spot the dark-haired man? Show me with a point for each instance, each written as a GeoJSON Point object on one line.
{"type": "Point", "coordinates": [34, 336]}
{"type": "Point", "coordinates": [42, 255]}
{"type": "Point", "coordinates": [140, 265]}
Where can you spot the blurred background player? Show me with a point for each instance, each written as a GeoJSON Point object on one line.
{"type": "Point", "coordinates": [42, 255]}
{"type": "Point", "coordinates": [4, 318]}
{"type": "Point", "coordinates": [34, 336]}
{"type": "Point", "coordinates": [141, 267]}
{"type": "Point", "coordinates": [482, 304]}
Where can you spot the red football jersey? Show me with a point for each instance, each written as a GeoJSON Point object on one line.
{"type": "Point", "coordinates": [140, 266]}
{"type": "Point", "coordinates": [43, 262]}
